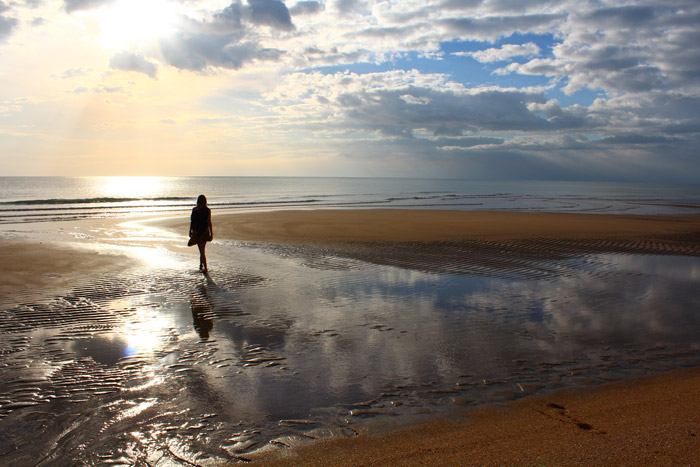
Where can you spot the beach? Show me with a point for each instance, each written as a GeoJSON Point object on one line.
{"type": "Point", "coordinates": [646, 421]}
{"type": "Point", "coordinates": [388, 337]}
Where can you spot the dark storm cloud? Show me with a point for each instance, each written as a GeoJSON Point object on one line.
{"type": "Point", "coordinates": [132, 62]}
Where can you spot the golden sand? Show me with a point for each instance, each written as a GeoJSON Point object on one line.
{"type": "Point", "coordinates": [395, 225]}
{"type": "Point", "coordinates": [650, 421]}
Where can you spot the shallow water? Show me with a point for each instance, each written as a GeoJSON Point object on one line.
{"type": "Point", "coordinates": [47, 199]}
{"type": "Point", "coordinates": [281, 345]}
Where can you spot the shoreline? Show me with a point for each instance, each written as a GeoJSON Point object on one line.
{"type": "Point", "coordinates": [650, 420]}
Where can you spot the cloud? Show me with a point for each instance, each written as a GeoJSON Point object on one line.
{"type": "Point", "coordinates": [436, 126]}
{"type": "Point", "coordinates": [78, 5]}
{"type": "Point", "coordinates": [505, 52]}
{"type": "Point", "coordinates": [271, 13]}
{"type": "Point", "coordinates": [414, 106]}
{"type": "Point", "coordinates": [74, 72]}
{"type": "Point", "coordinates": [390, 113]}
{"type": "Point", "coordinates": [237, 16]}
{"type": "Point", "coordinates": [202, 51]}
{"type": "Point", "coordinates": [306, 8]}
{"type": "Point", "coordinates": [624, 49]}
{"type": "Point", "coordinates": [131, 62]}
{"type": "Point", "coordinates": [633, 67]}
{"type": "Point", "coordinates": [229, 39]}
{"type": "Point", "coordinates": [349, 6]}
{"type": "Point", "coordinates": [7, 23]}
{"type": "Point", "coordinates": [495, 27]}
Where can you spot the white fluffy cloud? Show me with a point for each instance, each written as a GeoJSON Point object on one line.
{"type": "Point", "coordinates": [503, 53]}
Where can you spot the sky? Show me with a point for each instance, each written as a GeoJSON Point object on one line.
{"type": "Point", "coordinates": [475, 89]}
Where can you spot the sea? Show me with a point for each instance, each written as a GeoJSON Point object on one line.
{"type": "Point", "coordinates": [37, 199]}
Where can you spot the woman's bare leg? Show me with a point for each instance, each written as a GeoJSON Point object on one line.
{"type": "Point", "coordinates": [202, 256]}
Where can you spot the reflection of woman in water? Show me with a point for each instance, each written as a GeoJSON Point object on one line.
{"type": "Point", "coordinates": [201, 230]}
{"type": "Point", "coordinates": [202, 313]}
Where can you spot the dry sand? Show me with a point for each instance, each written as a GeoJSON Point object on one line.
{"type": "Point", "coordinates": [651, 421]}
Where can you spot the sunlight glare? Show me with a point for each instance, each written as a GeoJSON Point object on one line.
{"type": "Point", "coordinates": [131, 187]}
{"type": "Point", "coordinates": [144, 338]}
{"type": "Point", "coordinates": [131, 23]}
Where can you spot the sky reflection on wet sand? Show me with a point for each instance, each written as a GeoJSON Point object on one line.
{"type": "Point", "coordinates": [281, 345]}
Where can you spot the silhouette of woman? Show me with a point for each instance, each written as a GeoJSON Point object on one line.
{"type": "Point", "coordinates": [201, 230]}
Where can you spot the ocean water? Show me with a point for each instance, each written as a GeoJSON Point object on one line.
{"type": "Point", "coordinates": [36, 199]}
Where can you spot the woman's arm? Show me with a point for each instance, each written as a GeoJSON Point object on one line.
{"type": "Point", "coordinates": [211, 228]}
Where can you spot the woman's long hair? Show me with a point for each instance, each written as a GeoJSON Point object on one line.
{"type": "Point", "coordinates": [201, 200]}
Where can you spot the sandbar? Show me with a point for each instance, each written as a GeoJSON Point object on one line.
{"type": "Point", "coordinates": [411, 225]}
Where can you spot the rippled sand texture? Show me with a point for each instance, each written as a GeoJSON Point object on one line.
{"type": "Point", "coordinates": [283, 344]}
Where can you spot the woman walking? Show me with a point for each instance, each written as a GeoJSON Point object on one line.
{"type": "Point", "coordinates": [201, 230]}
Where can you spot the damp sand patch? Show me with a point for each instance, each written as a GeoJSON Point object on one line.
{"type": "Point", "coordinates": [33, 270]}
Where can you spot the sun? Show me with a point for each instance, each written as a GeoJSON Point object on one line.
{"type": "Point", "coordinates": [136, 23]}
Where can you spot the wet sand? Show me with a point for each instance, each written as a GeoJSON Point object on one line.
{"type": "Point", "coordinates": [394, 225]}
{"type": "Point", "coordinates": [498, 244]}
{"type": "Point", "coordinates": [32, 270]}
{"type": "Point", "coordinates": [647, 421]}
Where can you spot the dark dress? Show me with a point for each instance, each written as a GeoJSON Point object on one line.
{"type": "Point", "coordinates": [199, 222]}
